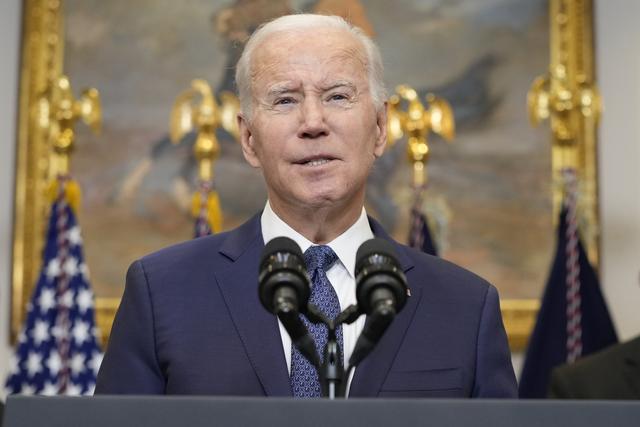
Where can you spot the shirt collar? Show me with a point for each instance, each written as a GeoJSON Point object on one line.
{"type": "Point", "coordinates": [345, 245]}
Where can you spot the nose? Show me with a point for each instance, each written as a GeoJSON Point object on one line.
{"type": "Point", "coordinates": [312, 121]}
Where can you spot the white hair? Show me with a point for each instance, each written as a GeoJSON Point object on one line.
{"type": "Point", "coordinates": [303, 22]}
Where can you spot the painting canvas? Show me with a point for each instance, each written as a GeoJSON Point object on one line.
{"type": "Point", "coordinates": [489, 193]}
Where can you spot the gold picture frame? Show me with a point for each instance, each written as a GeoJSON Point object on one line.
{"type": "Point", "coordinates": [42, 57]}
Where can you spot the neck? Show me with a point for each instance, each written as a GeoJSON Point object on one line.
{"type": "Point", "coordinates": [319, 225]}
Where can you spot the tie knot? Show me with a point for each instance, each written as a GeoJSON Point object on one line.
{"type": "Point", "coordinates": [319, 257]}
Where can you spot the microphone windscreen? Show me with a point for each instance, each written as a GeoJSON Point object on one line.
{"type": "Point", "coordinates": [374, 246]}
{"type": "Point", "coordinates": [280, 244]}
{"type": "Point", "coordinates": [282, 271]}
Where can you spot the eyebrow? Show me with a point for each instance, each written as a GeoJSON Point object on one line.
{"type": "Point", "coordinates": [339, 83]}
{"type": "Point", "coordinates": [281, 88]}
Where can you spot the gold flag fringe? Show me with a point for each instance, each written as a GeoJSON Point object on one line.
{"type": "Point", "coordinates": [212, 206]}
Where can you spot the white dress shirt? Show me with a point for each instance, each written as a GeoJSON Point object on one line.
{"type": "Point", "coordinates": [341, 274]}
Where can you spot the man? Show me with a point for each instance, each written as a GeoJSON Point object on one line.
{"type": "Point", "coordinates": [612, 373]}
{"type": "Point", "coordinates": [313, 120]}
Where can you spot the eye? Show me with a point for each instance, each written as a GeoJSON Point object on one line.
{"type": "Point", "coordinates": [284, 101]}
{"type": "Point", "coordinates": [338, 97]}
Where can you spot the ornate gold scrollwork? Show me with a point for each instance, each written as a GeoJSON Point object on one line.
{"type": "Point", "coordinates": [417, 122]}
{"type": "Point", "coordinates": [59, 112]}
{"type": "Point", "coordinates": [205, 117]}
{"type": "Point", "coordinates": [568, 97]}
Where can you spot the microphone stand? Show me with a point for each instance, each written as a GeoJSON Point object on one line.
{"type": "Point", "coordinates": [333, 382]}
{"type": "Point", "coordinates": [331, 373]}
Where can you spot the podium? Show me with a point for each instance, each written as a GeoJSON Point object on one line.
{"type": "Point", "coordinates": [147, 411]}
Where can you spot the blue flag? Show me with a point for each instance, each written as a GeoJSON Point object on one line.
{"type": "Point", "coordinates": [57, 351]}
{"type": "Point", "coordinates": [419, 234]}
{"type": "Point", "coordinates": [554, 341]}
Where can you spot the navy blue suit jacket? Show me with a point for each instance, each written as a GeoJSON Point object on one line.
{"type": "Point", "coordinates": [190, 322]}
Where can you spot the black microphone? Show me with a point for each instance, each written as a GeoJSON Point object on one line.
{"type": "Point", "coordinates": [284, 290]}
{"type": "Point", "coordinates": [381, 292]}
{"type": "Point", "coordinates": [283, 281]}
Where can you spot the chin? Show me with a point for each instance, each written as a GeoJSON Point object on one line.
{"type": "Point", "coordinates": [320, 201]}
{"type": "Point", "coordinates": [328, 199]}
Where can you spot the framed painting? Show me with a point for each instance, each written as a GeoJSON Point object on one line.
{"type": "Point", "coordinates": [489, 192]}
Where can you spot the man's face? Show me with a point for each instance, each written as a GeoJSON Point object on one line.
{"type": "Point", "coordinates": [314, 129]}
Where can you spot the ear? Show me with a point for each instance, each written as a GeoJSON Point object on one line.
{"type": "Point", "coordinates": [381, 132]}
{"type": "Point", "coordinates": [247, 141]}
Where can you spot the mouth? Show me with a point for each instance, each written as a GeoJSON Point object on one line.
{"type": "Point", "coordinates": [315, 161]}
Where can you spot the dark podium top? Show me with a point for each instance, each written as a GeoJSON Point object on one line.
{"type": "Point", "coordinates": [142, 411]}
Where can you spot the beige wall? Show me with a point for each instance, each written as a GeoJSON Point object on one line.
{"type": "Point", "coordinates": [9, 52]}
{"type": "Point", "coordinates": [618, 68]}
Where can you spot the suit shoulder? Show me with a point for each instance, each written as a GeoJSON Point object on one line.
{"type": "Point", "coordinates": [214, 249]}
{"type": "Point", "coordinates": [187, 249]}
{"type": "Point", "coordinates": [445, 273]}
{"type": "Point", "coordinates": [602, 360]}
{"type": "Point", "coordinates": [602, 375]}
{"type": "Point", "coordinates": [180, 253]}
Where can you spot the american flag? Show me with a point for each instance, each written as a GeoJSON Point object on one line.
{"type": "Point", "coordinates": [202, 226]}
{"type": "Point", "coordinates": [419, 234]}
{"type": "Point", "coordinates": [206, 209]}
{"type": "Point", "coordinates": [57, 350]}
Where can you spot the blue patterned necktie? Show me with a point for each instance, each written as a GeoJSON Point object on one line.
{"type": "Point", "coordinates": [304, 378]}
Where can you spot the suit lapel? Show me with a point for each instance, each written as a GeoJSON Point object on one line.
{"type": "Point", "coordinates": [257, 328]}
{"type": "Point", "coordinates": [371, 373]}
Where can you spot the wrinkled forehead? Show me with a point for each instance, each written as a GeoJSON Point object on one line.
{"type": "Point", "coordinates": [318, 49]}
